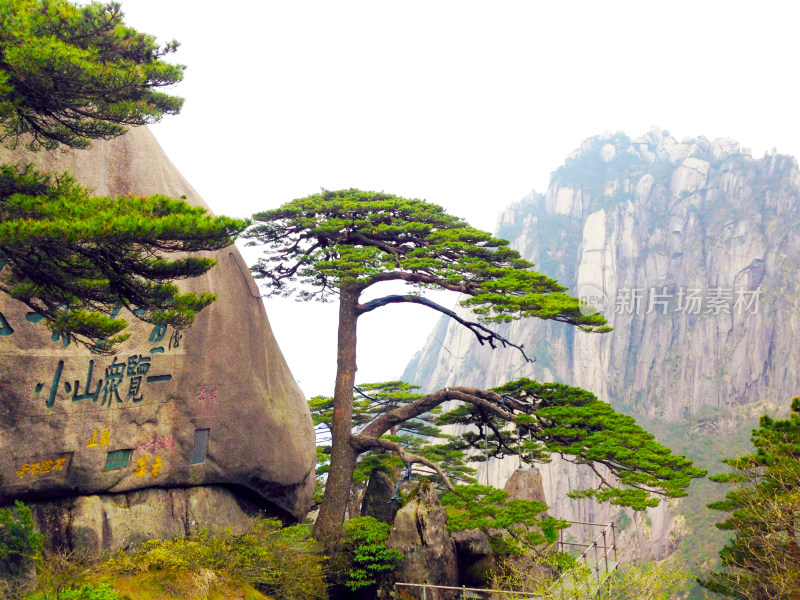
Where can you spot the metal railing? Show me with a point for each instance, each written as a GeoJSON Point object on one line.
{"type": "Point", "coordinates": [465, 591]}
{"type": "Point", "coordinates": [596, 554]}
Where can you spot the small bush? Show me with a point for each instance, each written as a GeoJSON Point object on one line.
{"type": "Point", "coordinates": [85, 592]}
{"type": "Point", "coordinates": [558, 576]}
{"type": "Point", "coordinates": [366, 538]}
{"type": "Point", "coordinates": [20, 546]}
{"type": "Point", "coordinates": [279, 561]}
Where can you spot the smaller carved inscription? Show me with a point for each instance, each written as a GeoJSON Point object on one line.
{"type": "Point", "coordinates": [102, 438]}
{"type": "Point", "coordinates": [154, 445]}
{"type": "Point", "coordinates": [117, 460]}
{"type": "Point", "coordinates": [200, 447]}
{"type": "Point", "coordinates": [144, 467]}
{"type": "Point", "coordinates": [207, 402]}
{"type": "Point", "coordinates": [40, 469]}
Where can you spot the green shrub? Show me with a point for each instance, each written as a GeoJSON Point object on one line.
{"type": "Point", "coordinates": [279, 561]}
{"type": "Point", "coordinates": [366, 538]}
{"type": "Point", "coordinates": [512, 526]}
{"type": "Point", "coordinates": [85, 592]}
{"type": "Point", "coordinates": [20, 544]}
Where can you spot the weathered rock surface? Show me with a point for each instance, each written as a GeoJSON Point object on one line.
{"type": "Point", "coordinates": [429, 551]}
{"type": "Point", "coordinates": [107, 523]}
{"type": "Point", "coordinates": [526, 484]}
{"type": "Point", "coordinates": [215, 404]}
{"type": "Point", "coordinates": [692, 248]}
{"type": "Point", "coordinates": [475, 558]}
{"type": "Point", "coordinates": [377, 501]}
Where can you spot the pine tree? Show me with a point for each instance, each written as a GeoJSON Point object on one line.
{"type": "Point", "coordinates": [70, 74]}
{"type": "Point", "coordinates": [337, 244]}
{"type": "Point", "coordinates": [762, 560]}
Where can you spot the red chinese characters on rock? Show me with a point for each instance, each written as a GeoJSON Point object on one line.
{"type": "Point", "coordinates": [155, 445]}
{"type": "Point", "coordinates": [207, 402]}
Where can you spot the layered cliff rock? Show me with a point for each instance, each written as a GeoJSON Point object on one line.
{"type": "Point", "coordinates": [212, 405]}
{"type": "Point", "coordinates": [690, 249]}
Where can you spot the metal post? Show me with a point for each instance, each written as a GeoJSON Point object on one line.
{"type": "Point", "coordinates": [614, 540]}
{"type": "Point", "coordinates": [586, 564]}
{"type": "Point", "coordinates": [596, 561]}
{"type": "Point", "coordinates": [463, 592]}
{"type": "Point", "coordinates": [424, 592]}
{"type": "Point", "coordinates": [605, 550]}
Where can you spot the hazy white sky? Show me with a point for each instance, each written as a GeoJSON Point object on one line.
{"type": "Point", "coordinates": [467, 104]}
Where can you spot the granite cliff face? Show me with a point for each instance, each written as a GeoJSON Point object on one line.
{"type": "Point", "coordinates": [690, 249]}
{"type": "Point", "coordinates": [213, 405]}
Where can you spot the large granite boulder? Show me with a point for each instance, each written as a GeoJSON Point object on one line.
{"type": "Point", "coordinates": [214, 404]}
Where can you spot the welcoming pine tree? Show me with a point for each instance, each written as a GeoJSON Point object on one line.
{"type": "Point", "coordinates": [70, 74]}
{"type": "Point", "coordinates": [339, 244]}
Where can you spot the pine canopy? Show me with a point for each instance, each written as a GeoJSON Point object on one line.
{"type": "Point", "coordinates": [762, 559]}
{"type": "Point", "coordinates": [74, 258]}
{"type": "Point", "coordinates": [356, 239]}
{"type": "Point", "coordinates": [70, 74]}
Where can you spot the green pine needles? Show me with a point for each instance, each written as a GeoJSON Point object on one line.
{"type": "Point", "coordinates": [372, 560]}
{"type": "Point", "coordinates": [316, 245]}
{"type": "Point", "coordinates": [74, 258]}
{"type": "Point", "coordinates": [512, 526]}
{"type": "Point", "coordinates": [762, 559]}
{"type": "Point", "coordinates": [393, 427]}
{"type": "Point", "coordinates": [70, 74]}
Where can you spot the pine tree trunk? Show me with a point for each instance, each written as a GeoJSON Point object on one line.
{"type": "Point", "coordinates": [343, 456]}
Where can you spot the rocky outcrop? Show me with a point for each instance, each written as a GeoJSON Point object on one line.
{"type": "Point", "coordinates": [429, 551]}
{"type": "Point", "coordinates": [112, 522]}
{"type": "Point", "coordinates": [476, 561]}
{"type": "Point", "coordinates": [377, 502]}
{"type": "Point", "coordinates": [690, 249]}
{"type": "Point", "coordinates": [212, 405]}
{"type": "Point", "coordinates": [526, 484]}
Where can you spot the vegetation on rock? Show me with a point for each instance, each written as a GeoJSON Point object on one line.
{"type": "Point", "coordinates": [266, 561]}
{"type": "Point", "coordinates": [20, 547]}
{"type": "Point", "coordinates": [365, 539]}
